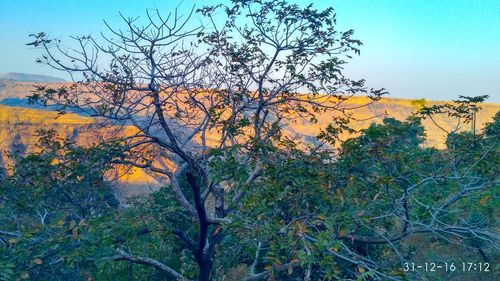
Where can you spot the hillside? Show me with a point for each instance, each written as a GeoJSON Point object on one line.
{"type": "Point", "coordinates": [18, 134]}
{"type": "Point", "coordinates": [18, 125]}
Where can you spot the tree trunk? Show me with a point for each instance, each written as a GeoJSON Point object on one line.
{"type": "Point", "coordinates": [205, 266]}
{"type": "Point", "coordinates": [203, 260]}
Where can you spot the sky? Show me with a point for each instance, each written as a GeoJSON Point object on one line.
{"type": "Point", "coordinates": [432, 49]}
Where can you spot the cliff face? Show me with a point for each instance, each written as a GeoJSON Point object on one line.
{"type": "Point", "coordinates": [19, 124]}
{"type": "Point", "coordinates": [18, 135]}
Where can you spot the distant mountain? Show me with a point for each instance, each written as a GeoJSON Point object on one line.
{"type": "Point", "coordinates": [25, 77]}
{"type": "Point", "coordinates": [13, 95]}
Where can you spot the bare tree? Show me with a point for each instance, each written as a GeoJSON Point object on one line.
{"type": "Point", "coordinates": [205, 93]}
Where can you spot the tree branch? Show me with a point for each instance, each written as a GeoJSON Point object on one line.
{"type": "Point", "coordinates": [122, 255]}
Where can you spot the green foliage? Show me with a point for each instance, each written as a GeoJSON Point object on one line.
{"type": "Point", "coordinates": [46, 204]}
{"type": "Point", "coordinates": [310, 211]}
{"type": "Point", "coordinates": [254, 198]}
{"type": "Point", "coordinates": [148, 228]}
{"type": "Point", "coordinates": [317, 214]}
{"type": "Point", "coordinates": [327, 216]}
{"type": "Point", "coordinates": [462, 108]}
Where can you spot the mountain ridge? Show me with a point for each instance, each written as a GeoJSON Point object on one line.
{"type": "Point", "coordinates": [27, 77]}
{"type": "Point", "coordinates": [19, 125]}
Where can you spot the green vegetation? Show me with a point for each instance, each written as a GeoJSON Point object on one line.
{"type": "Point", "coordinates": [308, 214]}
{"type": "Point", "coordinates": [243, 199]}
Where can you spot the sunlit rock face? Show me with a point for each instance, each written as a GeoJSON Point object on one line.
{"type": "Point", "coordinates": [20, 121]}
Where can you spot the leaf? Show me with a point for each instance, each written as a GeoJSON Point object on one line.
{"type": "Point", "coordinates": [336, 247]}
{"type": "Point", "coordinates": [25, 275]}
{"type": "Point", "coordinates": [321, 217]}
{"type": "Point", "coordinates": [12, 241]}
{"type": "Point", "coordinates": [290, 269]}
{"type": "Point", "coordinates": [484, 200]}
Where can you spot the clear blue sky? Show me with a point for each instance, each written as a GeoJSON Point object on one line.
{"type": "Point", "coordinates": [433, 49]}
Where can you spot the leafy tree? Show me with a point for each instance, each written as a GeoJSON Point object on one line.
{"type": "Point", "coordinates": [210, 107]}
{"type": "Point", "coordinates": [46, 204]}
{"type": "Point", "coordinates": [463, 110]}
{"type": "Point", "coordinates": [194, 109]}
{"type": "Point", "coordinates": [315, 218]}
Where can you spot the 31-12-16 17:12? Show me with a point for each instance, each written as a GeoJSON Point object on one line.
{"type": "Point", "coordinates": [448, 266]}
